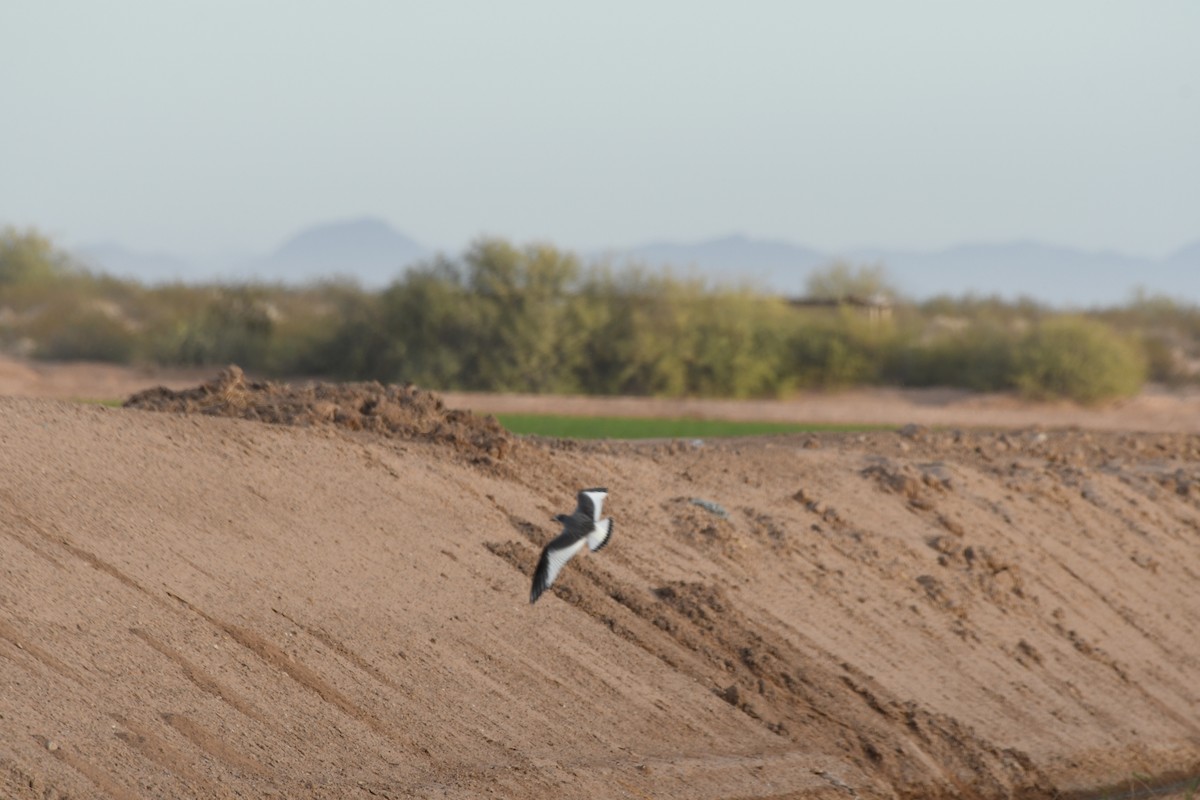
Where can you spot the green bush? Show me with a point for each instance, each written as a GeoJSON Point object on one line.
{"type": "Point", "coordinates": [639, 332]}
{"type": "Point", "coordinates": [233, 326]}
{"type": "Point", "coordinates": [841, 280]}
{"type": "Point", "coordinates": [740, 346]}
{"type": "Point", "coordinates": [636, 332]}
{"type": "Point", "coordinates": [95, 332]}
{"type": "Point", "coordinates": [978, 357]}
{"type": "Point", "coordinates": [1168, 331]}
{"type": "Point", "coordinates": [322, 329]}
{"type": "Point", "coordinates": [839, 352]}
{"type": "Point", "coordinates": [534, 319]}
{"type": "Point", "coordinates": [1078, 359]}
{"type": "Point", "coordinates": [430, 331]}
{"type": "Point", "coordinates": [499, 320]}
{"type": "Point", "coordinates": [27, 257]}
{"type": "Point", "coordinates": [519, 332]}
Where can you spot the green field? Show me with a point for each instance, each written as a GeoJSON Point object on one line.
{"type": "Point", "coordinates": [568, 427]}
{"type": "Point", "coordinates": [649, 428]}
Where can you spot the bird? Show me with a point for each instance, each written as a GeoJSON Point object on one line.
{"type": "Point", "coordinates": [582, 526]}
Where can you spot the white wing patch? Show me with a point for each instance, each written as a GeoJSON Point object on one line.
{"type": "Point", "coordinates": [557, 559]}
{"type": "Point", "coordinates": [597, 499]}
{"type": "Point", "coordinates": [599, 535]}
{"type": "Point", "coordinates": [567, 544]}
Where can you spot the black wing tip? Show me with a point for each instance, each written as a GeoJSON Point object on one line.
{"type": "Point", "coordinates": [539, 579]}
{"type": "Point", "coordinates": [539, 586]}
{"type": "Point", "coordinates": [596, 489]}
{"type": "Point", "coordinates": [607, 536]}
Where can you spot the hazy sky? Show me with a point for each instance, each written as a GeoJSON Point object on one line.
{"type": "Point", "coordinates": [197, 127]}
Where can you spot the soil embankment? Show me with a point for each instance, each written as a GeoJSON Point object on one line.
{"type": "Point", "coordinates": [200, 606]}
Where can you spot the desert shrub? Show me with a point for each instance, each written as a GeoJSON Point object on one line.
{"type": "Point", "coordinates": [520, 302]}
{"type": "Point", "coordinates": [233, 324]}
{"type": "Point", "coordinates": [83, 332]}
{"type": "Point", "coordinates": [1167, 330]}
{"type": "Point", "coordinates": [430, 331]}
{"type": "Point", "coordinates": [979, 356]}
{"type": "Point", "coordinates": [639, 331]}
{"type": "Point", "coordinates": [532, 318]}
{"type": "Point", "coordinates": [645, 333]}
{"type": "Point", "coordinates": [52, 308]}
{"type": "Point", "coordinates": [27, 257]}
{"type": "Point", "coordinates": [740, 346]}
{"type": "Point", "coordinates": [839, 352]}
{"type": "Point", "coordinates": [983, 309]}
{"type": "Point", "coordinates": [354, 344]}
{"type": "Point", "coordinates": [1165, 360]}
{"type": "Point", "coordinates": [1079, 359]}
{"type": "Point", "coordinates": [307, 322]}
{"type": "Point", "coordinates": [501, 318]}
{"type": "Point", "coordinates": [841, 280]}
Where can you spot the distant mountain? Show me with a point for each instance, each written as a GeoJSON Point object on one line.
{"type": "Point", "coordinates": [1187, 256]}
{"type": "Point", "coordinates": [1060, 276]}
{"type": "Point", "coordinates": [374, 253]}
{"type": "Point", "coordinates": [368, 249]}
{"type": "Point", "coordinates": [770, 264]}
{"type": "Point", "coordinates": [123, 262]}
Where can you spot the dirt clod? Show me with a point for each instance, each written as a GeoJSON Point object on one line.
{"type": "Point", "coordinates": [394, 411]}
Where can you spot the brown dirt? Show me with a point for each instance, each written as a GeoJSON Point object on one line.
{"type": "Point", "coordinates": [198, 606]}
{"type": "Point", "coordinates": [402, 412]}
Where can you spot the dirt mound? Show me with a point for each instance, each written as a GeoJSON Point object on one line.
{"type": "Point", "coordinates": [401, 412]}
{"type": "Point", "coordinates": [197, 607]}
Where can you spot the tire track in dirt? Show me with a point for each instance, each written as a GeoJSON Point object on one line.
{"type": "Point", "coordinates": [6, 525]}
{"type": "Point", "coordinates": [84, 555]}
{"type": "Point", "coordinates": [200, 679]}
{"type": "Point", "coordinates": [100, 777]}
{"type": "Point", "coordinates": [157, 750]}
{"type": "Point", "coordinates": [275, 657]}
{"type": "Point", "coordinates": [215, 745]}
{"type": "Point", "coordinates": [22, 643]}
{"type": "Point", "coordinates": [343, 651]}
{"type": "Point", "coordinates": [267, 652]}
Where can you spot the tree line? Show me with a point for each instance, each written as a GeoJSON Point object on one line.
{"type": "Point", "coordinates": [535, 318]}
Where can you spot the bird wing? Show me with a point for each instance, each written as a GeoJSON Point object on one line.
{"type": "Point", "coordinates": [591, 501]}
{"type": "Point", "coordinates": [554, 556]}
{"type": "Point", "coordinates": [599, 535]}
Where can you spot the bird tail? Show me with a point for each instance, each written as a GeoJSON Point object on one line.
{"type": "Point", "coordinates": [600, 534]}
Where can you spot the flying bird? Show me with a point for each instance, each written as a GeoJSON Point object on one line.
{"type": "Point", "coordinates": [582, 526]}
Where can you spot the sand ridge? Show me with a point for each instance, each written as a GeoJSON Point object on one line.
{"type": "Point", "coordinates": [200, 606]}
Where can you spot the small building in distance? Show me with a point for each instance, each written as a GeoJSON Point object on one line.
{"type": "Point", "coordinates": [876, 307]}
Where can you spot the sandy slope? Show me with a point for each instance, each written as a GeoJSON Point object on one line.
{"type": "Point", "coordinates": [201, 607]}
